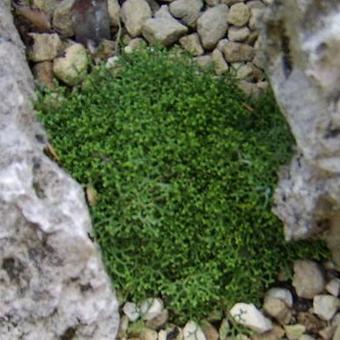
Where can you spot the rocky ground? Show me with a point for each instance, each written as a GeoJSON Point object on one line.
{"type": "Point", "coordinates": [222, 34]}
{"type": "Point", "coordinates": [304, 308]}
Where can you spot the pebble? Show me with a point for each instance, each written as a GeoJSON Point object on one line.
{"type": "Point", "coordinates": [192, 44]}
{"type": "Point", "coordinates": [249, 316]}
{"type": "Point", "coordinates": [294, 332]}
{"type": "Point", "coordinates": [192, 331]}
{"type": "Point", "coordinates": [239, 14]}
{"type": "Point", "coordinates": [281, 293]}
{"type": "Point", "coordinates": [325, 306]}
{"type": "Point", "coordinates": [159, 321]}
{"type": "Point", "coordinates": [278, 310]}
{"type": "Point", "coordinates": [209, 331]}
{"type": "Point", "coordinates": [333, 287]}
{"type": "Point", "coordinates": [131, 310]}
{"type": "Point", "coordinates": [308, 279]}
{"type": "Point", "coordinates": [151, 308]}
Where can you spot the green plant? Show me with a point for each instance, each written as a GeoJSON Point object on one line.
{"type": "Point", "coordinates": [185, 166]}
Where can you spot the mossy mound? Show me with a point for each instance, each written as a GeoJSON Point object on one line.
{"type": "Point", "coordinates": [185, 166]}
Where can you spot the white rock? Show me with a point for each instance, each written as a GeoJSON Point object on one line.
{"type": "Point", "coordinates": [282, 294]}
{"type": "Point", "coordinates": [165, 31]}
{"type": "Point", "coordinates": [249, 316]}
{"type": "Point", "coordinates": [186, 10]}
{"type": "Point", "coordinates": [151, 308]}
{"type": "Point", "coordinates": [212, 25]}
{"type": "Point", "coordinates": [333, 287]}
{"type": "Point", "coordinates": [45, 46]}
{"type": "Point", "coordinates": [308, 279]}
{"type": "Point", "coordinates": [72, 67]}
{"type": "Point", "coordinates": [239, 14]}
{"type": "Point", "coordinates": [192, 331]}
{"type": "Point", "coordinates": [325, 306]}
{"type": "Point", "coordinates": [53, 281]}
{"type": "Point", "coordinates": [238, 34]}
{"type": "Point", "coordinates": [192, 44]}
{"type": "Point", "coordinates": [134, 14]}
{"type": "Point", "coordinates": [132, 311]}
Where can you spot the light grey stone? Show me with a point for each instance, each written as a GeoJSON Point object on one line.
{"type": "Point", "coordinates": [186, 10]}
{"type": "Point", "coordinates": [277, 309]}
{"type": "Point", "coordinates": [212, 25]}
{"type": "Point", "coordinates": [294, 332]}
{"type": "Point", "coordinates": [45, 46]}
{"type": "Point", "coordinates": [132, 311]}
{"type": "Point", "coordinates": [204, 61]}
{"type": "Point", "coordinates": [333, 287]}
{"type": "Point", "coordinates": [238, 33]}
{"type": "Point", "coordinates": [165, 31]}
{"type": "Point", "coordinates": [239, 14]}
{"type": "Point", "coordinates": [237, 52]}
{"type": "Point", "coordinates": [52, 282]}
{"type": "Point", "coordinates": [192, 331]}
{"type": "Point", "coordinates": [325, 306]}
{"type": "Point", "coordinates": [283, 294]}
{"type": "Point", "coordinates": [134, 15]}
{"type": "Point", "coordinates": [114, 11]}
{"type": "Point", "coordinates": [163, 12]}
{"type": "Point", "coordinates": [192, 44]}
{"type": "Point", "coordinates": [71, 68]}
{"type": "Point", "coordinates": [249, 316]}
{"type": "Point", "coordinates": [151, 308]}
{"type": "Point", "coordinates": [220, 65]}
{"type": "Point", "coordinates": [308, 279]}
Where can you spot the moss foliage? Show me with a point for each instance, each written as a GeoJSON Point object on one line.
{"type": "Point", "coordinates": [185, 166]}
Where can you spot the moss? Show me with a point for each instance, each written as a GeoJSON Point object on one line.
{"type": "Point", "coordinates": [185, 166]}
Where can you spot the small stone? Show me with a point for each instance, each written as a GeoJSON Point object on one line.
{"type": "Point", "coordinates": [173, 333]}
{"type": "Point", "coordinates": [224, 329]}
{"type": "Point", "coordinates": [159, 321]}
{"type": "Point", "coordinates": [192, 44]}
{"type": "Point", "coordinates": [165, 31]}
{"type": "Point", "coordinates": [212, 25]}
{"type": "Point", "coordinates": [306, 337]}
{"type": "Point", "coordinates": [45, 46]}
{"type": "Point", "coordinates": [328, 333]}
{"type": "Point", "coordinates": [294, 332]}
{"type": "Point", "coordinates": [267, 2]}
{"type": "Point", "coordinates": [282, 294]}
{"type": "Point", "coordinates": [43, 72]}
{"type": "Point", "coordinates": [249, 316]}
{"type": "Point", "coordinates": [192, 331]}
{"type": "Point", "coordinates": [163, 12]}
{"type": "Point", "coordinates": [325, 306]}
{"type": "Point", "coordinates": [104, 51]}
{"type": "Point", "coordinates": [252, 37]}
{"type": "Point", "coordinates": [336, 320]}
{"type": "Point", "coordinates": [114, 11]}
{"type": "Point", "coordinates": [276, 333]}
{"type": "Point", "coordinates": [220, 64]}
{"type": "Point", "coordinates": [151, 308]}
{"type": "Point", "coordinates": [134, 44]}
{"type": "Point", "coordinates": [204, 61]}
{"type": "Point", "coordinates": [254, 20]}
{"type": "Point", "coordinates": [337, 334]}
{"type": "Point", "coordinates": [237, 52]}
{"type": "Point", "coordinates": [72, 67]}
{"type": "Point", "coordinates": [239, 14]}
{"type": "Point", "coordinates": [209, 331]}
{"type": "Point", "coordinates": [277, 309]}
{"type": "Point", "coordinates": [221, 44]}
{"type": "Point", "coordinates": [311, 322]}
{"type": "Point", "coordinates": [148, 334]}
{"type": "Point", "coordinates": [186, 10]}
{"type": "Point", "coordinates": [238, 34]}
{"type": "Point", "coordinates": [250, 89]}
{"type": "Point", "coordinates": [308, 279]}
{"type": "Point", "coordinates": [123, 326]}
{"type": "Point", "coordinates": [333, 287]}
{"type": "Point", "coordinates": [244, 71]}
{"type": "Point", "coordinates": [132, 311]}
{"type": "Point", "coordinates": [134, 15]}
{"type": "Point", "coordinates": [262, 86]}
{"type": "Point", "coordinates": [256, 4]}
{"type": "Point", "coordinates": [62, 18]}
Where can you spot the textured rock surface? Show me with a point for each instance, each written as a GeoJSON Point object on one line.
{"type": "Point", "coordinates": [304, 67]}
{"type": "Point", "coordinates": [52, 282]}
